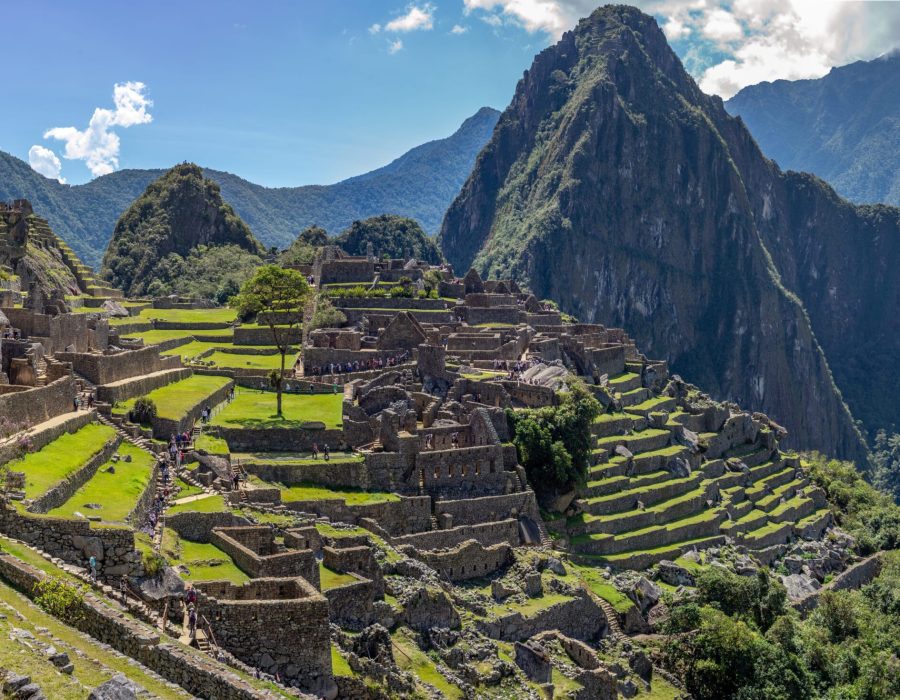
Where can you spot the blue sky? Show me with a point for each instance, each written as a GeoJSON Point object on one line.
{"type": "Point", "coordinates": [290, 93]}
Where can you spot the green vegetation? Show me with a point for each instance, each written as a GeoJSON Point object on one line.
{"type": "Point", "coordinates": [210, 504]}
{"type": "Point", "coordinates": [222, 314]}
{"type": "Point", "coordinates": [212, 444]}
{"type": "Point", "coordinates": [173, 401]}
{"type": "Point", "coordinates": [280, 295]}
{"type": "Point", "coordinates": [329, 578]}
{"type": "Point", "coordinates": [117, 492]}
{"type": "Point", "coordinates": [205, 562]}
{"type": "Point", "coordinates": [886, 463]}
{"type": "Point", "coordinates": [251, 361]}
{"type": "Point", "coordinates": [60, 458]}
{"type": "Point", "coordinates": [869, 515]}
{"type": "Point", "coordinates": [394, 236]}
{"type": "Point", "coordinates": [155, 237]}
{"type": "Point", "coordinates": [162, 335]}
{"type": "Point", "coordinates": [554, 443]}
{"type": "Point", "coordinates": [421, 665]}
{"type": "Point", "coordinates": [60, 598]}
{"type": "Point", "coordinates": [254, 409]}
{"type": "Point", "coordinates": [302, 250]}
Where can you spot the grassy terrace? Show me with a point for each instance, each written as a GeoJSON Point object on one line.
{"type": "Point", "coordinates": [295, 459]}
{"type": "Point", "coordinates": [329, 578]}
{"type": "Point", "coordinates": [623, 378]}
{"type": "Point", "coordinates": [174, 400]}
{"type": "Point", "coordinates": [256, 409]}
{"type": "Point", "coordinates": [210, 504]}
{"type": "Point", "coordinates": [314, 492]}
{"type": "Point", "coordinates": [232, 359]}
{"type": "Point", "coordinates": [116, 493]}
{"type": "Point", "coordinates": [220, 315]}
{"type": "Point", "coordinates": [162, 335]}
{"type": "Point", "coordinates": [60, 458]}
{"type": "Point", "coordinates": [205, 562]}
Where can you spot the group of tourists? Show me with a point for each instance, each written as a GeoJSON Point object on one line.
{"type": "Point", "coordinates": [12, 334]}
{"type": "Point", "coordinates": [205, 413]}
{"type": "Point", "coordinates": [86, 403]}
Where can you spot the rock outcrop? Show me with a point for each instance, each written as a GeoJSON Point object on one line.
{"type": "Point", "coordinates": [614, 186]}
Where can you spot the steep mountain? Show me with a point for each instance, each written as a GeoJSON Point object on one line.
{"type": "Point", "coordinates": [613, 185]}
{"type": "Point", "coordinates": [177, 214]}
{"type": "Point", "coordinates": [419, 184]}
{"type": "Point", "coordinates": [394, 236]}
{"type": "Point", "coordinates": [844, 127]}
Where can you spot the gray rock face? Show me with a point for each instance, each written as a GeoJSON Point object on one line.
{"type": "Point", "coordinates": [673, 574]}
{"type": "Point", "coordinates": [429, 607]}
{"type": "Point", "coordinates": [116, 688]}
{"type": "Point", "coordinates": [799, 585]}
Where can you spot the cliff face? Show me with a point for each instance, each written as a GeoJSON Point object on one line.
{"type": "Point", "coordinates": [178, 212]}
{"type": "Point", "coordinates": [613, 185]}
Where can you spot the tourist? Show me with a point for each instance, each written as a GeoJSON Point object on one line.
{"type": "Point", "coordinates": [192, 621]}
{"type": "Point", "coordinates": [326, 453]}
{"type": "Point", "coordinates": [315, 450]}
{"type": "Point", "coordinates": [236, 481]}
{"type": "Point", "coordinates": [123, 588]}
{"type": "Point", "coordinates": [75, 403]}
{"type": "Point", "coordinates": [92, 564]}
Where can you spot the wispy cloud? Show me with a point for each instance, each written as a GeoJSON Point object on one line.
{"type": "Point", "coordinates": [416, 18]}
{"type": "Point", "coordinates": [45, 161]}
{"type": "Point", "coordinates": [395, 46]}
{"type": "Point", "coordinates": [459, 29]}
{"type": "Point", "coordinates": [97, 145]}
{"type": "Point", "coordinates": [728, 45]}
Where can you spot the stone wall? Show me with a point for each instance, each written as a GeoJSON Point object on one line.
{"type": "Point", "coordinates": [278, 439]}
{"type": "Point", "coordinates": [579, 617]}
{"type": "Point", "coordinates": [140, 386]}
{"type": "Point", "coordinates": [854, 577]}
{"type": "Point", "coordinates": [198, 527]}
{"type": "Point", "coordinates": [263, 336]}
{"type": "Point", "coordinates": [39, 404]}
{"type": "Point", "coordinates": [63, 490]}
{"type": "Point", "coordinates": [351, 605]}
{"type": "Point", "coordinates": [485, 533]}
{"type": "Point", "coordinates": [194, 672]}
{"type": "Point", "coordinates": [359, 559]}
{"type": "Point", "coordinates": [405, 515]}
{"type": "Point", "coordinates": [467, 560]}
{"type": "Point", "coordinates": [336, 472]}
{"type": "Point", "coordinates": [106, 369]}
{"type": "Point", "coordinates": [40, 438]}
{"type": "Point", "coordinates": [252, 547]}
{"type": "Point", "coordinates": [75, 541]}
{"type": "Point", "coordinates": [279, 625]}
{"type": "Point", "coordinates": [472, 511]}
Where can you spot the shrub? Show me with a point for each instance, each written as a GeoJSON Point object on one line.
{"type": "Point", "coordinates": [60, 598]}
{"type": "Point", "coordinates": [153, 563]}
{"type": "Point", "coordinates": [144, 411]}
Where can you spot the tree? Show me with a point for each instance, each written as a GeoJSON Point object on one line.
{"type": "Point", "coordinates": [277, 297]}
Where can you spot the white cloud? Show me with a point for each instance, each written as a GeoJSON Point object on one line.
{"type": "Point", "coordinates": [395, 46]}
{"type": "Point", "coordinates": [416, 18]}
{"type": "Point", "coordinates": [722, 26]}
{"type": "Point", "coordinates": [736, 43]}
{"type": "Point", "coordinates": [375, 28]}
{"type": "Point", "coordinates": [459, 29]}
{"type": "Point", "coordinates": [97, 145]}
{"type": "Point", "coordinates": [45, 161]}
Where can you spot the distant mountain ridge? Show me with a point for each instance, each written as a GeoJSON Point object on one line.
{"type": "Point", "coordinates": [843, 127]}
{"type": "Point", "coordinates": [419, 184]}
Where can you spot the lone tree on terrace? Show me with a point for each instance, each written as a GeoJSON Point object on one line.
{"type": "Point", "coordinates": [277, 297]}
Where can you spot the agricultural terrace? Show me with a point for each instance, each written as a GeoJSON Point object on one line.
{"type": "Point", "coordinates": [62, 457]}
{"type": "Point", "coordinates": [175, 400]}
{"type": "Point", "coordinates": [111, 495]}
{"type": "Point", "coordinates": [256, 409]}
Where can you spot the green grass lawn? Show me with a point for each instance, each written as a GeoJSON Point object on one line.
{"type": "Point", "coordinates": [603, 588]}
{"type": "Point", "coordinates": [221, 315]}
{"type": "Point", "coordinates": [174, 400]}
{"type": "Point", "coordinates": [211, 504]}
{"type": "Point", "coordinates": [232, 359]}
{"type": "Point", "coordinates": [313, 492]}
{"type": "Point", "coordinates": [159, 336]}
{"type": "Point", "coordinates": [205, 561]}
{"type": "Point", "coordinates": [256, 409]}
{"type": "Point", "coordinates": [56, 460]}
{"type": "Point", "coordinates": [194, 348]}
{"type": "Point", "coordinates": [116, 493]}
{"type": "Point", "coordinates": [186, 489]}
{"type": "Point", "coordinates": [211, 444]}
{"type": "Point", "coordinates": [329, 578]}
{"type": "Point", "coordinates": [418, 663]}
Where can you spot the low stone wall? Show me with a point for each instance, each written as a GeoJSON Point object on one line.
{"type": "Point", "coordinates": [145, 502]}
{"type": "Point", "coordinates": [262, 561]}
{"type": "Point", "coordinates": [106, 369]}
{"type": "Point", "coordinates": [465, 561]}
{"type": "Point", "coordinates": [854, 577]}
{"type": "Point", "coordinates": [263, 336]}
{"type": "Point", "coordinates": [396, 303]}
{"type": "Point", "coordinates": [487, 534]}
{"type": "Point", "coordinates": [473, 511]}
{"type": "Point", "coordinates": [192, 326]}
{"type": "Point", "coordinates": [197, 527]}
{"type": "Point", "coordinates": [351, 605]}
{"type": "Point", "coordinates": [192, 671]}
{"type": "Point", "coordinates": [40, 438]}
{"type": "Point", "coordinates": [139, 386]}
{"type": "Point", "coordinates": [62, 491]}
{"type": "Point", "coordinates": [279, 439]}
{"type": "Point", "coordinates": [39, 404]}
{"type": "Point", "coordinates": [336, 472]}
{"type": "Point", "coordinates": [75, 541]}
{"type": "Point", "coordinates": [406, 515]}
{"type": "Point", "coordinates": [580, 618]}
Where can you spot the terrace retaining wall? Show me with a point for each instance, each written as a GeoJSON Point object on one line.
{"type": "Point", "coordinates": [39, 404]}
{"type": "Point", "coordinates": [63, 490]}
{"type": "Point", "coordinates": [164, 427]}
{"type": "Point", "coordinates": [139, 386]}
{"type": "Point", "coordinates": [44, 437]}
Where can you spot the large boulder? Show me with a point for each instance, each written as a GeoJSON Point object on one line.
{"type": "Point", "coordinates": [428, 608]}
{"type": "Point", "coordinates": [117, 688]}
